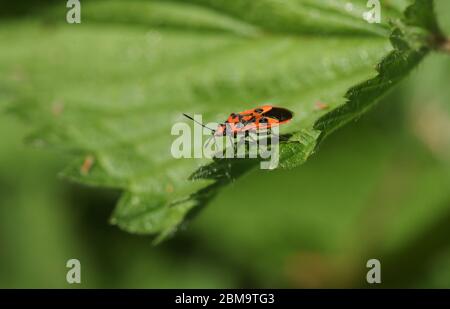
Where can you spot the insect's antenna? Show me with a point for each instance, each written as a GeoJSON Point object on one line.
{"type": "Point", "coordinates": [187, 116]}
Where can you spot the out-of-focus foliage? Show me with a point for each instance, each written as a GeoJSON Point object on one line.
{"type": "Point", "coordinates": [376, 189]}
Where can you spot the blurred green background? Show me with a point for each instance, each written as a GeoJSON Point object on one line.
{"type": "Point", "coordinates": [378, 188]}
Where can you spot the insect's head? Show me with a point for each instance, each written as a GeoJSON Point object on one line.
{"type": "Point", "coordinates": [221, 130]}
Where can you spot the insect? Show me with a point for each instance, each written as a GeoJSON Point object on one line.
{"type": "Point", "coordinates": [259, 118]}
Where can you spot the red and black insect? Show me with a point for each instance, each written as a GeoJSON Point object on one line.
{"type": "Point", "coordinates": [260, 118]}
{"type": "Point", "coordinates": [256, 119]}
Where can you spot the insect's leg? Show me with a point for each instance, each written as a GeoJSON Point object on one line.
{"type": "Point", "coordinates": [245, 137]}
{"type": "Point", "coordinates": [231, 139]}
{"type": "Point", "coordinates": [280, 138]}
{"type": "Point", "coordinates": [251, 137]}
{"type": "Point", "coordinates": [253, 143]}
{"type": "Point", "coordinates": [228, 135]}
{"type": "Point", "coordinates": [236, 141]}
{"type": "Point", "coordinates": [212, 137]}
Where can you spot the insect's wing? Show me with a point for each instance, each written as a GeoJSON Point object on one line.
{"type": "Point", "coordinates": [282, 115]}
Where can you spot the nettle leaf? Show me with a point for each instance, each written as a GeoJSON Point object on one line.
{"type": "Point", "coordinates": [109, 89]}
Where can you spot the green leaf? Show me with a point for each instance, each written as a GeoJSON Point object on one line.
{"type": "Point", "coordinates": [109, 89]}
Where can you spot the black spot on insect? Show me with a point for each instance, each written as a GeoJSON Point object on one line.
{"type": "Point", "coordinates": [251, 120]}
{"type": "Point", "coordinates": [281, 114]}
{"type": "Point", "coordinates": [263, 120]}
{"type": "Point", "coordinates": [258, 110]}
